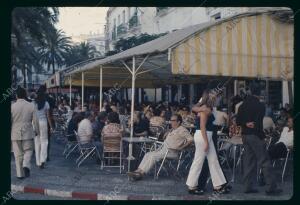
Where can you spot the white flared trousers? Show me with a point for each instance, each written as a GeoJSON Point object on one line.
{"type": "Point", "coordinates": [41, 143]}
{"type": "Point", "coordinates": [215, 170]}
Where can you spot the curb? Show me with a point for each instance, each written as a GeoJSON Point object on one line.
{"type": "Point", "coordinates": [96, 196]}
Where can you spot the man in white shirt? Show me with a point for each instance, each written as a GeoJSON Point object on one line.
{"type": "Point", "coordinates": [286, 141]}
{"type": "Point", "coordinates": [268, 123]}
{"type": "Point", "coordinates": [85, 129]}
{"type": "Point", "coordinates": [221, 118]}
{"type": "Point", "coordinates": [85, 133]}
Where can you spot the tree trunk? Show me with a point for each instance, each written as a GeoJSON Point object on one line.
{"type": "Point", "coordinates": [24, 75]}
{"type": "Point", "coordinates": [53, 66]}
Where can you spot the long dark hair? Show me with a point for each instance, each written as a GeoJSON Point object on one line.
{"type": "Point", "coordinates": [41, 99]}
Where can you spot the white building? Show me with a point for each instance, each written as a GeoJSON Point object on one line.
{"type": "Point", "coordinates": [123, 22]}
{"type": "Point", "coordinates": [94, 39]}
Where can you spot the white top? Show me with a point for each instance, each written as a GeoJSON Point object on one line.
{"type": "Point", "coordinates": [268, 123]}
{"type": "Point", "coordinates": [85, 130]}
{"type": "Point", "coordinates": [237, 106]}
{"type": "Point", "coordinates": [42, 113]}
{"type": "Point", "coordinates": [220, 118]}
{"type": "Point", "coordinates": [287, 137]}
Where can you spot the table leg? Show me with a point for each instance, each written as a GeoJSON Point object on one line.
{"type": "Point", "coordinates": [234, 165]}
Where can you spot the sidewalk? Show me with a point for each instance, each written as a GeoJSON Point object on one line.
{"type": "Point", "coordinates": [62, 178]}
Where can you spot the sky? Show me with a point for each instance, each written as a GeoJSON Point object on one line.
{"type": "Point", "coordinates": [81, 20]}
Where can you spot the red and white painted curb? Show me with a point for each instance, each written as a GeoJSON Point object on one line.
{"type": "Point", "coordinates": [95, 196]}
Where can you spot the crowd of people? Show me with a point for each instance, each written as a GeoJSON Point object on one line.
{"type": "Point", "coordinates": [247, 117]}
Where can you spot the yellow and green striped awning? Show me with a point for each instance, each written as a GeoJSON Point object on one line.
{"type": "Point", "coordinates": [247, 46]}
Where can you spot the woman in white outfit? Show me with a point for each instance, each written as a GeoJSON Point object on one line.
{"type": "Point", "coordinates": [41, 140]}
{"type": "Point", "coordinates": [205, 148]}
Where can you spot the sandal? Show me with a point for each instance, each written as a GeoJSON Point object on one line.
{"type": "Point", "coordinates": [222, 190]}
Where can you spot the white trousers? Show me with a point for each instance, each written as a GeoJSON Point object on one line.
{"type": "Point", "coordinates": [41, 143]}
{"type": "Point", "coordinates": [23, 150]}
{"type": "Point", "coordinates": [215, 170]}
{"type": "Point", "coordinates": [151, 158]}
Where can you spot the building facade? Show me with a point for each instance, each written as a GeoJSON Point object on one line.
{"type": "Point", "coordinates": [95, 39]}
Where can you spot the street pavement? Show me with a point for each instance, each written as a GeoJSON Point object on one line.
{"type": "Point", "coordinates": [63, 176]}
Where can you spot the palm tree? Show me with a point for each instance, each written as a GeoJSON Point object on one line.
{"type": "Point", "coordinates": [53, 49]}
{"type": "Point", "coordinates": [29, 27]}
{"type": "Point", "coordinates": [83, 51]}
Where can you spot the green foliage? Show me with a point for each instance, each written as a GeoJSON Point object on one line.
{"type": "Point", "coordinates": [78, 53]}
{"type": "Point", "coordinates": [133, 21]}
{"type": "Point", "coordinates": [124, 44]}
{"type": "Point", "coordinates": [30, 27]}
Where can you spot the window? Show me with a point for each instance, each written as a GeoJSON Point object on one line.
{"type": "Point", "coordinates": [123, 17]}
{"type": "Point", "coordinates": [216, 16]}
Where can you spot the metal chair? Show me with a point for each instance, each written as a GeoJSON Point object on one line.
{"type": "Point", "coordinates": [288, 157]}
{"type": "Point", "coordinates": [170, 159]}
{"type": "Point", "coordinates": [70, 145]}
{"type": "Point", "coordinates": [157, 132]}
{"type": "Point", "coordinates": [86, 149]}
{"type": "Point", "coordinates": [112, 144]}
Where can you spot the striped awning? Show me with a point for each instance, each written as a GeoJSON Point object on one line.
{"type": "Point", "coordinates": [258, 46]}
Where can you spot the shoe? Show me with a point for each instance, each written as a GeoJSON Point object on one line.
{"type": "Point", "coordinates": [134, 176]}
{"type": "Point", "coordinates": [196, 191]}
{"type": "Point", "coordinates": [20, 178]}
{"type": "Point", "coordinates": [251, 191]}
{"type": "Point", "coordinates": [222, 190]}
{"type": "Point", "coordinates": [273, 191]}
{"type": "Point", "coordinates": [229, 187]}
{"type": "Point", "coordinates": [26, 171]}
{"type": "Point", "coordinates": [42, 165]}
{"type": "Point", "coordinates": [261, 181]}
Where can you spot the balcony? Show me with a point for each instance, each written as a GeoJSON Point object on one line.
{"type": "Point", "coordinates": [133, 21]}
{"type": "Point", "coordinates": [121, 29]}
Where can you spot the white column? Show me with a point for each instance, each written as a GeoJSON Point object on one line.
{"type": "Point", "coordinates": [191, 94]}
{"type": "Point", "coordinates": [82, 90]}
{"type": "Point", "coordinates": [70, 89]}
{"type": "Point", "coordinates": [130, 157]}
{"type": "Point", "coordinates": [235, 87]}
{"type": "Point", "coordinates": [100, 86]}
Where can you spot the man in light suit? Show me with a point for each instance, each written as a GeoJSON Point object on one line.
{"type": "Point", "coordinates": [22, 116]}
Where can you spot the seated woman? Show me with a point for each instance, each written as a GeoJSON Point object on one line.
{"type": "Point", "coordinates": [157, 120]}
{"type": "Point", "coordinates": [141, 125]}
{"type": "Point", "coordinates": [72, 125]}
{"type": "Point", "coordinates": [280, 148]}
{"type": "Point", "coordinates": [113, 125]}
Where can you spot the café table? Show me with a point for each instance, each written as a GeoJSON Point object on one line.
{"type": "Point", "coordinates": [236, 141]}
{"type": "Point", "coordinates": [136, 140]}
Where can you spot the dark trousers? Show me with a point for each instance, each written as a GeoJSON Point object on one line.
{"type": "Point", "coordinates": [277, 151]}
{"type": "Point", "coordinates": [205, 169]}
{"type": "Point", "coordinates": [255, 154]}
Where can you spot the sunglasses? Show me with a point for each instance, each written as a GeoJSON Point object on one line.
{"type": "Point", "coordinates": [173, 120]}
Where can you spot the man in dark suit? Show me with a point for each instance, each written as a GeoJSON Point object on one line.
{"type": "Point", "coordinates": [250, 117]}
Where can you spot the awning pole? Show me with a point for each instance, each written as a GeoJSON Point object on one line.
{"type": "Point", "coordinates": [82, 90]}
{"type": "Point", "coordinates": [70, 90]}
{"type": "Point", "coordinates": [100, 92]}
{"type": "Point", "coordinates": [130, 157]}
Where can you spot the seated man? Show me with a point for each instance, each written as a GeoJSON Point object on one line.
{"type": "Point", "coordinates": [280, 148]}
{"type": "Point", "coordinates": [85, 132]}
{"type": "Point", "coordinates": [177, 139]}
